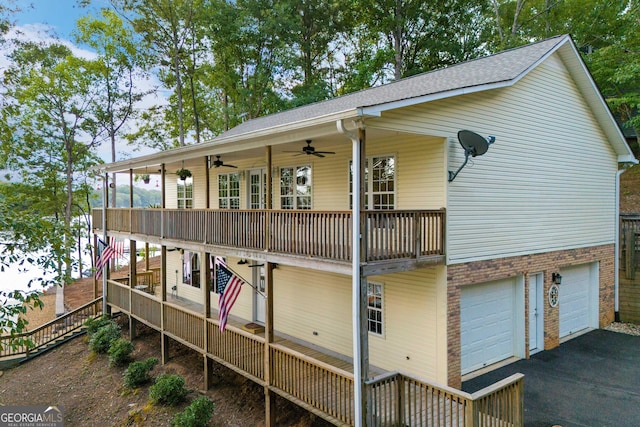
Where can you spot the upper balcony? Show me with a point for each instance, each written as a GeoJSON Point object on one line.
{"type": "Point", "coordinates": [392, 238]}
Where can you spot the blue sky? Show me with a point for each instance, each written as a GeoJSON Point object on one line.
{"type": "Point", "coordinates": [61, 15]}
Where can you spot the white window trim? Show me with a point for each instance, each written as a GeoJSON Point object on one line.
{"type": "Point", "coordinates": [228, 197]}
{"type": "Point", "coordinates": [295, 196]}
{"type": "Point", "coordinates": [184, 183]}
{"type": "Point", "coordinates": [369, 182]}
{"type": "Point", "coordinates": [381, 309]}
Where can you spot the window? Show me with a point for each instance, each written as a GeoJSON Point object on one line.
{"type": "Point", "coordinates": [295, 187]}
{"type": "Point", "coordinates": [191, 269]}
{"type": "Point", "coordinates": [380, 184]}
{"type": "Point", "coordinates": [229, 191]}
{"type": "Point", "coordinates": [374, 308]}
{"type": "Point", "coordinates": [185, 193]}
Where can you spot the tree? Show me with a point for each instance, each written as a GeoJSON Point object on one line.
{"type": "Point", "coordinates": [615, 69]}
{"type": "Point", "coordinates": [117, 67]}
{"type": "Point", "coordinates": [166, 28]}
{"type": "Point", "coordinates": [411, 36]}
{"type": "Point", "coordinates": [313, 32]}
{"type": "Point", "coordinates": [247, 56]}
{"type": "Point", "coordinates": [49, 136]}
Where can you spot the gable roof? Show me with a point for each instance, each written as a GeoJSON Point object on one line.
{"type": "Point", "coordinates": [495, 71]}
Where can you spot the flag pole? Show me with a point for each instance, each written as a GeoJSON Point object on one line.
{"type": "Point", "coordinates": [243, 279]}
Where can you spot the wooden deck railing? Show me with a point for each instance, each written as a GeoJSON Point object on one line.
{"type": "Point", "coordinates": [394, 234]}
{"type": "Point", "coordinates": [398, 399]}
{"type": "Point", "coordinates": [317, 385]}
{"type": "Point", "coordinates": [43, 335]}
{"type": "Point", "coordinates": [326, 390]}
{"type": "Point", "coordinates": [237, 349]}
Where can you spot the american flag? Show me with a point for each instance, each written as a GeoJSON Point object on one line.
{"type": "Point", "coordinates": [113, 249]}
{"type": "Point", "coordinates": [229, 286]}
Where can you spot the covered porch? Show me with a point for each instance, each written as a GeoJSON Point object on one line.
{"type": "Point", "coordinates": [311, 377]}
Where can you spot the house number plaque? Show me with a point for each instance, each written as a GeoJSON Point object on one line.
{"type": "Point", "coordinates": [554, 292]}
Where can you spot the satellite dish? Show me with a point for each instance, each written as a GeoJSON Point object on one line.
{"type": "Point", "coordinates": [473, 145]}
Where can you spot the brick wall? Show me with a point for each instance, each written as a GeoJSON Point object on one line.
{"type": "Point", "coordinates": [467, 274]}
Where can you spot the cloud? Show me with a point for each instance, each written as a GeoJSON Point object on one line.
{"type": "Point", "coordinates": [43, 33]}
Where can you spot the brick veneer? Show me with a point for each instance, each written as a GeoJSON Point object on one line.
{"type": "Point", "coordinates": [459, 275]}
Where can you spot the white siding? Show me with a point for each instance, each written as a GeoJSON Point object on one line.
{"type": "Point", "coordinates": [547, 183]}
{"type": "Point", "coordinates": [414, 317]}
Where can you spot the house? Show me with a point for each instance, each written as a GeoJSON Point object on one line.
{"type": "Point", "coordinates": [430, 271]}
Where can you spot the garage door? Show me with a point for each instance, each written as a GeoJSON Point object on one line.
{"type": "Point", "coordinates": [487, 324]}
{"type": "Point", "coordinates": [577, 303]}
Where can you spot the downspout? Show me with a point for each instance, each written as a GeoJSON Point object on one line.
{"type": "Point", "coordinates": [355, 275]}
{"type": "Point", "coordinates": [616, 259]}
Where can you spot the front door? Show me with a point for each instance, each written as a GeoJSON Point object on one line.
{"type": "Point", "coordinates": [259, 307]}
{"type": "Point", "coordinates": [536, 313]}
{"type": "Point", "coordinates": [257, 189]}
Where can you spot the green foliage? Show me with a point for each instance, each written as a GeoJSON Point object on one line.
{"type": "Point", "coordinates": [120, 352]}
{"type": "Point", "coordinates": [12, 305]}
{"type": "Point", "coordinates": [137, 373]}
{"type": "Point", "coordinates": [168, 390]}
{"type": "Point", "coordinates": [197, 414]}
{"type": "Point", "coordinates": [101, 340]}
{"type": "Point", "coordinates": [95, 323]}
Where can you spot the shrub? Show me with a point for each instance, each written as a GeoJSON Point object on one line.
{"type": "Point", "coordinates": [101, 340]}
{"type": "Point", "coordinates": [168, 390]}
{"type": "Point", "coordinates": [93, 324]}
{"type": "Point", "coordinates": [120, 352]}
{"type": "Point", "coordinates": [138, 372]}
{"type": "Point", "coordinates": [197, 414]}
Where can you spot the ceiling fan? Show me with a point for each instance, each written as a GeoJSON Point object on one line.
{"type": "Point", "coordinates": [217, 163]}
{"type": "Point", "coordinates": [310, 150]}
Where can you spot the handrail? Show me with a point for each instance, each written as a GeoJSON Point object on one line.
{"type": "Point", "coordinates": [50, 331]}
{"type": "Point", "coordinates": [390, 234]}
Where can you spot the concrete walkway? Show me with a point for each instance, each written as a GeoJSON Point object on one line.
{"type": "Point", "coordinates": [592, 380]}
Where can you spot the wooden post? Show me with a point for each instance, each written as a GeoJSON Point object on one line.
{"type": "Point", "coordinates": [95, 256]}
{"type": "Point", "coordinates": [146, 256]}
{"type": "Point", "coordinates": [205, 275]}
{"type": "Point", "coordinates": [269, 396]}
{"type": "Point", "coordinates": [133, 280]}
{"type": "Point", "coordinates": [164, 340]}
{"type": "Point", "coordinates": [207, 182]}
{"type": "Point", "coordinates": [268, 199]}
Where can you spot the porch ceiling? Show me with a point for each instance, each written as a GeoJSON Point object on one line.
{"type": "Point", "coordinates": [324, 138]}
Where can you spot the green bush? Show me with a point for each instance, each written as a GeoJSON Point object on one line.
{"type": "Point", "coordinates": [120, 352]}
{"type": "Point", "coordinates": [137, 373]}
{"type": "Point", "coordinates": [101, 340]}
{"type": "Point", "coordinates": [93, 324]}
{"type": "Point", "coordinates": [197, 414]}
{"type": "Point", "coordinates": [168, 390]}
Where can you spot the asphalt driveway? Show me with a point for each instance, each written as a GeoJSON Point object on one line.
{"type": "Point", "coordinates": [592, 380]}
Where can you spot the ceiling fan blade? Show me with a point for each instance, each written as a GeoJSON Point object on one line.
{"type": "Point", "coordinates": [325, 152]}
{"type": "Point", "coordinates": [231, 166]}
{"type": "Point", "coordinates": [317, 154]}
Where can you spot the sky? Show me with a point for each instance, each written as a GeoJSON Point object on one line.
{"type": "Point", "coordinates": [61, 15]}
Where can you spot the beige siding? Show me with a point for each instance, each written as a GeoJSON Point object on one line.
{"type": "Point", "coordinates": [174, 274]}
{"type": "Point", "coordinates": [316, 307]}
{"type": "Point", "coordinates": [546, 184]}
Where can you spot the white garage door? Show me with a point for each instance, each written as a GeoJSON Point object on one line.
{"type": "Point", "coordinates": [577, 302]}
{"type": "Point", "coordinates": [487, 323]}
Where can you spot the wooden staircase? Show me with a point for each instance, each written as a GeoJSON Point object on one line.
{"type": "Point", "coordinates": [22, 347]}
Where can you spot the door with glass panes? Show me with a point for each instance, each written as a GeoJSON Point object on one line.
{"type": "Point", "coordinates": [257, 191]}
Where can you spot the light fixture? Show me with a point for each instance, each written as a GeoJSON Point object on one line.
{"type": "Point", "coordinates": [243, 262]}
{"type": "Point", "coordinates": [556, 278]}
